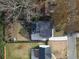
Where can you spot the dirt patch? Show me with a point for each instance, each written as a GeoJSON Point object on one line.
{"type": "Point", "coordinates": [20, 37]}
{"type": "Point", "coordinates": [12, 31]}
{"type": "Point", "coordinates": [18, 51]}
{"type": "Point", "coordinates": [59, 49]}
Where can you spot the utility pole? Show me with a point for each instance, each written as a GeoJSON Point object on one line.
{"type": "Point", "coordinates": [71, 34]}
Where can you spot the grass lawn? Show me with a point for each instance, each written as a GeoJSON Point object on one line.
{"type": "Point", "coordinates": [60, 33]}
{"type": "Point", "coordinates": [19, 50]}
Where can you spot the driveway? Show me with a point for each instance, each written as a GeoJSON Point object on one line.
{"type": "Point", "coordinates": [72, 47]}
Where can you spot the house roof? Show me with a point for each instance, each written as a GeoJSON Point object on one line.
{"type": "Point", "coordinates": [41, 29]}
{"type": "Point", "coordinates": [44, 52]}
{"type": "Point", "coordinates": [33, 55]}
{"type": "Point", "coordinates": [43, 46]}
{"type": "Point", "coordinates": [45, 28]}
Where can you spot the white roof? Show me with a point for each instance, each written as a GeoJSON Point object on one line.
{"type": "Point", "coordinates": [77, 35]}
{"type": "Point", "coordinates": [58, 38]}
{"type": "Point", "coordinates": [44, 46]}
{"type": "Point", "coordinates": [37, 37]}
{"type": "Point", "coordinates": [14, 39]}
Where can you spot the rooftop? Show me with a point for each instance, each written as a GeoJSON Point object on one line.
{"type": "Point", "coordinates": [44, 46]}
{"type": "Point", "coordinates": [41, 30]}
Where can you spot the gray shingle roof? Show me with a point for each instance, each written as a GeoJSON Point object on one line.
{"type": "Point", "coordinates": [43, 28]}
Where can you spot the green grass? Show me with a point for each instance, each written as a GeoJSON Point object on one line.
{"type": "Point", "coordinates": [33, 45]}
{"type": "Point", "coordinates": [60, 33]}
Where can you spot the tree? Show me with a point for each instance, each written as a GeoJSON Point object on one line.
{"type": "Point", "coordinates": [2, 43]}
{"type": "Point", "coordinates": [16, 8]}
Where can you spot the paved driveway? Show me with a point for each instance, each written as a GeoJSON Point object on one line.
{"type": "Point", "coordinates": [72, 46]}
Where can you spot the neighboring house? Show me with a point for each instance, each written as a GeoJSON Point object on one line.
{"type": "Point", "coordinates": [43, 52]}
{"type": "Point", "coordinates": [41, 30]}
{"type": "Point", "coordinates": [34, 53]}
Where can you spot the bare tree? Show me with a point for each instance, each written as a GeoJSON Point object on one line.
{"type": "Point", "coordinates": [16, 7]}
{"type": "Point", "coordinates": [72, 14]}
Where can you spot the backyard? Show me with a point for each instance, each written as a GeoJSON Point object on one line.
{"type": "Point", "coordinates": [16, 30]}
{"type": "Point", "coordinates": [19, 50]}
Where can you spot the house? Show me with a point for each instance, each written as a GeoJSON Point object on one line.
{"type": "Point", "coordinates": [41, 30]}
{"type": "Point", "coordinates": [43, 52]}
{"type": "Point", "coordinates": [34, 53]}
